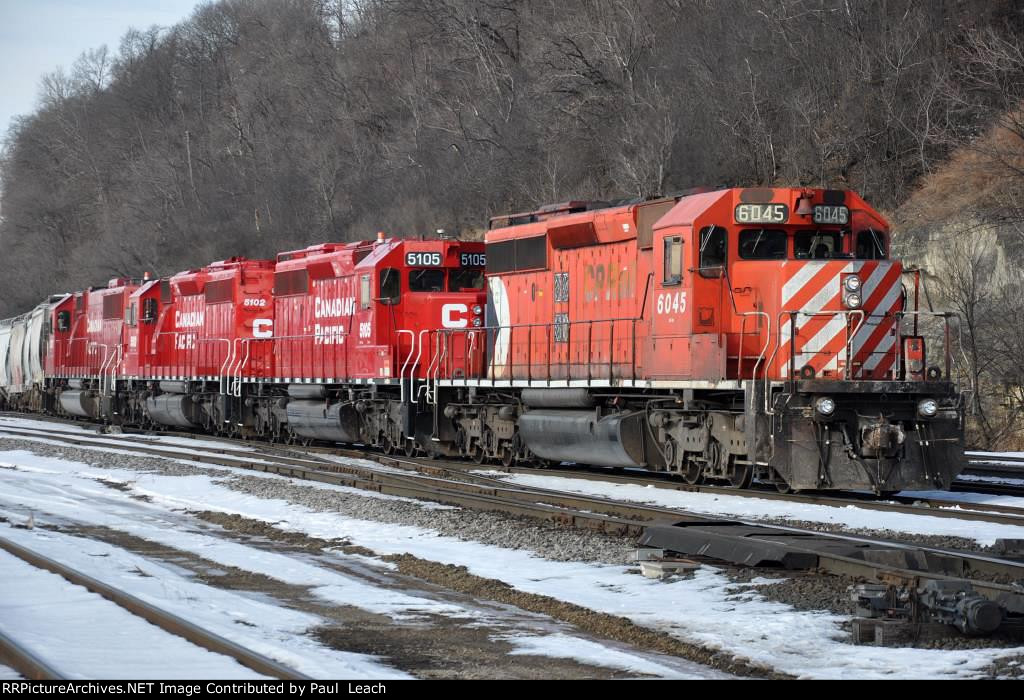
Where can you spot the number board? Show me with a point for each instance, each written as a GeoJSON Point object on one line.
{"type": "Point", "coordinates": [473, 260]}
{"type": "Point", "coordinates": [423, 259]}
{"type": "Point", "coordinates": [824, 214]}
{"type": "Point", "coordinates": [762, 214]}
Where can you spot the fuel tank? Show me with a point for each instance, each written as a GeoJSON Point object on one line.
{"type": "Point", "coordinates": [172, 409]}
{"type": "Point", "coordinates": [580, 436]}
{"type": "Point", "coordinates": [79, 403]}
{"type": "Point", "coordinates": [313, 419]}
{"type": "Point", "coordinates": [307, 391]}
{"type": "Point", "coordinates": [557, 398]}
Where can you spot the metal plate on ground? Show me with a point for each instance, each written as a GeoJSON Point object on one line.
{"type": "Point", "coordinates": [751, 545]}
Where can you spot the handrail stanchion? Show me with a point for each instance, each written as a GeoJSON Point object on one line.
{"type": "Point", "coordinates": [529, 353]}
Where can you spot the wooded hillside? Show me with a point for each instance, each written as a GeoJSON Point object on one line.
{"type": "Point", "coordinates": [257, 125]}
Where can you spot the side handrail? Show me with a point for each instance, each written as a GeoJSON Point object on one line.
{"type": "Point", "coordinates": [742, 334]}
{"type": "Point", "coordinates": [236, 387]}
{"type": "Point", "coordinates": [103, 364]}
{"type": "Point", "coordinates": [425, 389]}
{"type": "Point", "coordinates": [114, 364]}
{"type": "Point", "coordinates": [415, 364]}
{"type": "Point", "coordinates": [401, 373]}
{"type": "Point", "coordinates": [224, 381]}
{"type": "Point", "coordinates": [437, 370]}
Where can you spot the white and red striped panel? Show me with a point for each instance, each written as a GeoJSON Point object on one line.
{"type": "Point", "coordinates": [813, 288]}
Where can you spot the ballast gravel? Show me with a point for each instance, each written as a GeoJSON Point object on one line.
{"type": "Point", "coordinates": [548, 541]}
{"type": "Point", "coordinates": [805, 592]}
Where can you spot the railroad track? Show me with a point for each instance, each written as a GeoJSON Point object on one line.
{"type": "Point", "coordinates": [454, 484]}
{"type": "Point", "coordinates": [33, 667]}
{"type": "Point", "coordinates": [463, 471]}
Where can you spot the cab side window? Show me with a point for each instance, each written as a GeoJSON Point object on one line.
{"type": "Point", "coordinates": [364, 292]}
{"type": "Point", "coordinates": [390, 286]}
{"type": "Point", "coordinates": [712, 251]}
{"type": "Point", "coordinates": [149, 310]}
{"type": "Point", "coordinates": [673, 260]}
{"type": "Point", "coordinates": [870, 245]}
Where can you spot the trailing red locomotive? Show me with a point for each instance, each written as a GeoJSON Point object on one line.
{"type": "Point", "coordinates": [732, 335]}
{"type": "Point", "coordinates": [320, 344]}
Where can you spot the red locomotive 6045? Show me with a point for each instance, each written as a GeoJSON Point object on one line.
{"type": "Point", "coordinates": [728, 335]}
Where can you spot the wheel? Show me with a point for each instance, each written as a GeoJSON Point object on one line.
{"type": "Point", "coordinates": [739, 476]}
{"type": "Point", "coordinates": [482, 447]}
{"type": "Point", "coordinates": [508, 456]}
{"type": "Point", "coordinates": [693, 472]}
{"type": "Point", "coordinates": [386, 446]}
{"type": "Point", "coordinates": [782, 486]}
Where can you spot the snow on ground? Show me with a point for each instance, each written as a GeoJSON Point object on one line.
{"type": "Point", "coordinates": [968, 497]}
{"type": "Point", "coordinates": [90, 431]}
{"type": "Point", "coordinates": [707, 609]}
{"type": "Point", "coordinates": [273, 631]}
{"type": "Point", "coordinates": [112, 445]}
{"type": "Point", "coordinates": [86, 636]}
{"type": "Point", "coordinates": [751, 508]}
{"type": "Point", "coordinates": [991, 479]}
{"type": "Point", "coordinates": [56, 489]}
{"type": "Point", "coordinates": [9, 674]}
{"type": "Point", "coordinates": [60, 491]}
{"type": "Point", "coordinates": [560, 646]}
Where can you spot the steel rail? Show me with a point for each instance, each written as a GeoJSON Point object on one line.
{"type": "Point", "coordinates": [163, 619]}
{"type": "Point", "coordinates": [25, 662]}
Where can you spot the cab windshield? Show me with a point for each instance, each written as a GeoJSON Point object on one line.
{"type": "Point", "coordinates": [431, 280]}
{"type": "Point", "coordinates": [763, 244]}
{"type": "Point", "coordinates": [811, 244]}
{"type": "Point", "coordinates": [817, 245]}
{"type": "Point", "coordinates": [466, 279]}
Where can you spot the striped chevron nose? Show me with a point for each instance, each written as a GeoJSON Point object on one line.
{"type": "Point", "coordinates": [825, 336]}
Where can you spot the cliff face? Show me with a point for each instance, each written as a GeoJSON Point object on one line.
{"type": "Point", "coordinates": [964, 227]}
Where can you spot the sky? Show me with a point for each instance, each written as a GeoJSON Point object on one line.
{"type": "Point", "coordinates": [38, 36]}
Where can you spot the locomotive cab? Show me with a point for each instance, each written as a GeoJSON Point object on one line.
{"type": "Point", "coordinates": [792, 292]}
{"type": "Point", "coordinates": [368, 324]}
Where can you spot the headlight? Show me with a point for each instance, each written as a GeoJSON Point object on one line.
{"type": "Point", "coordinates": [825, 406]}
{"type": "Point", "coordinates": [852, 283]}
{"type": "Point", "coordinates": [928, 408]}
{"type": "Point", "coordinates": [852, 301]}
{"type": "Point", "coordinates": [477, 310]}
{"type": "Point", "coordinates": [476, 322]}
